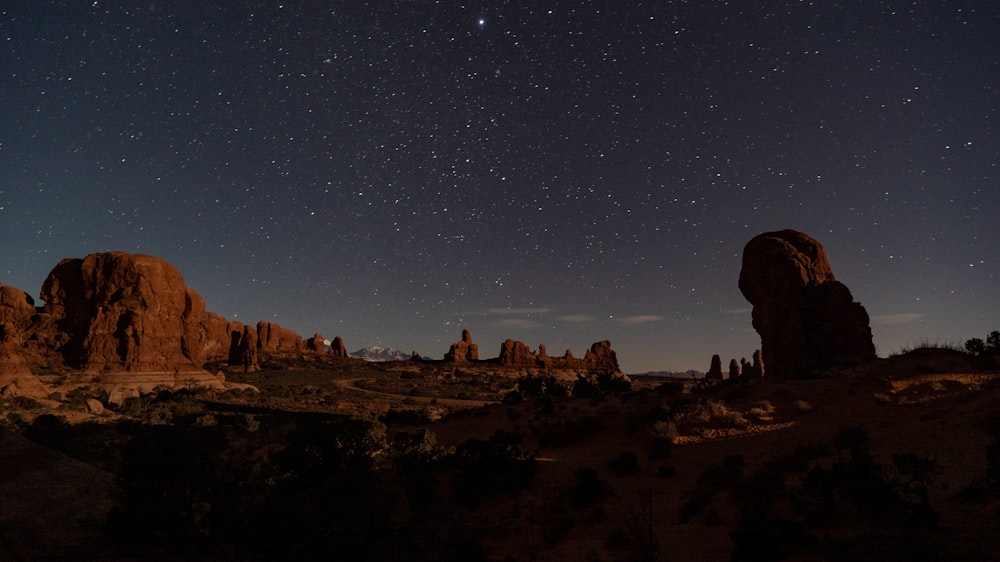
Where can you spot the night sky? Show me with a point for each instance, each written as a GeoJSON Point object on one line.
{"type": "Point", "coordinates": [553, 172]}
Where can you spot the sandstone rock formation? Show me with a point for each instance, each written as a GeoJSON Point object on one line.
{"type": "Point", "coordinates": [715, 369]}
{"type": "Point", "coordinates": [601, 357]}
{"type": "Point", "coordinates": [275, 339]}
{"type": "Point", "coordinates": [734, 370]}
{"type": "Point", "coordinates": [807, 320]}
{"type": "Point", "coordinates": [464, 351]}
{"type": "Point", "coordinates": [121, 311]}
{"type": "Point", "coordinates": [517, 354]}
{"type": "Point", "coordinates": [316, 344]}
{"type": "Point", "coordinates": [338, 349]}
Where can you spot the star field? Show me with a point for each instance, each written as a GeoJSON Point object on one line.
{"type": "Point", "coordinates": [552, 172]}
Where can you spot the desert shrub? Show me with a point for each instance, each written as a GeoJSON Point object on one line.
{"type": "Point", "coordinates": [624, 464]}
{"type": "Point", "coordinates": [49, 430]}
{"type": "Point", "coordinates": [588, 490]}
{"type": "Point", "coordinates": [641, 528]}
{"type": "Point", "coordinates": [762, 409]}
{"type": "Point", "coordinates": [801, 406]}
{"type": "Point", "coordinates": [610, 383]}
{"type": "Point", "coordinates": [993, 453]}
{"type": "Point", "coordinates": [497, 465]}
{"type": "Point", "coordinates": [694, 501]}
{"type": "Point", "coordinates": [545, 404]}
{"type": "Point", "coordinates": [659, 448]}
{"type": "Point", "coordinates": [531, 385]}
{"type": "Point", "coordinates": [562, 431]}
{"type": "Point", "coordinates": [666, 430]}
{"type": "Point", "coordinates": [15, 421]}
{"type": "Point", "coordinates": [585, 388]}
{"type": "Point", "coordinates": [512, 397]}
{"type": "Point", "coordinates": [24, 403]}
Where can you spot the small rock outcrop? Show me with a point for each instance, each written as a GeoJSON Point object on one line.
{"type": "Point", "coordinates": [463, 351]}
{"type": "Point", "coordinates": [734, 370]}
{"type": "Point", "coordinates": [807, 320]}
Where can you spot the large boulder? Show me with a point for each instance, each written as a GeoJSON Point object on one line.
{"type": "Point", "coordinates": [807, 320]}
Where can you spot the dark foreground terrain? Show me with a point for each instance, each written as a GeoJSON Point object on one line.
{"type": "Point", "coordinates": [895, 460]}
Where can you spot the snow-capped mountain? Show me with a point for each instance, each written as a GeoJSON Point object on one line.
{"type": "Point", "coordinates": [376, 353]}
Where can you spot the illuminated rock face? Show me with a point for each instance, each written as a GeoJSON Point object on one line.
{"type": "Point", "coordinates": [132, 312]}
{"type": "Point", "coordinates": [463, 351]}
{"type": "Point", "coordinates": [807, 320]}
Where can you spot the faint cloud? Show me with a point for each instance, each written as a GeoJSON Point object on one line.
{"type": "Point", "coordinates": [577, 318]}
{"type": "Point", "coordinates": [517, 311]}
{"type": "Point", "coordinates": [518, 323]}
{"type": "Point", "coordinates": [897, 318]}
{"type": "Point", "coordinates": [636, 320]}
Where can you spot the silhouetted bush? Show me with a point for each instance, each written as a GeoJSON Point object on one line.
{"type": "Point", "coordinates": [979, 348]}
{"type": "Point", "coordinates": [993, 453]}
{"type": "Point", "coordinates": [588, 490]}
{"type": "Point", "coordinates": [623, 464]}
{"type": "Point", "coordinates": [497, 465]}
{"type": "Point", "coordinates": [585, 388]}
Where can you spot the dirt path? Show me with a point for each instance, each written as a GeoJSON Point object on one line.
{"type": "Point", "coordinates": [352, 385]}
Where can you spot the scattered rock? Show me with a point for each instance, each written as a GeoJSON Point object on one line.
{"type": "Point", "coordinates": [94, 406]}
{"type": "Point", "coordinates": [807, 320]}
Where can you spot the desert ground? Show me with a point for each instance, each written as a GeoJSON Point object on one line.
{"type": "Point", "coordinates": [892, 460]}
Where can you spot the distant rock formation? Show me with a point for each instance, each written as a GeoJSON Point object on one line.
{"type": "Point", "coordinates": [807, 320]}
{"type": "Point", "coordinates": [601, 357]}
{"type": "Point", "coordinates": [517, 354]}
{"type": "Point", "coordinates": [275, 339]}
{"type": "Point", "coordinates": [715, 369]}
{"type": "Point", "coordinates": [316, 344]}
{"type": "Point", "coordinates": [734, 370]}
{"type": "Point", "coordinates": [338, 349]}
{"type": "Point", "coordinates": [464, 351]}
{"type": "Point", "coordinates": [119, 312]}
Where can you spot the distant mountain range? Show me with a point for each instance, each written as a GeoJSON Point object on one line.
{"type": "Point", "coordinates": [380, 354]}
